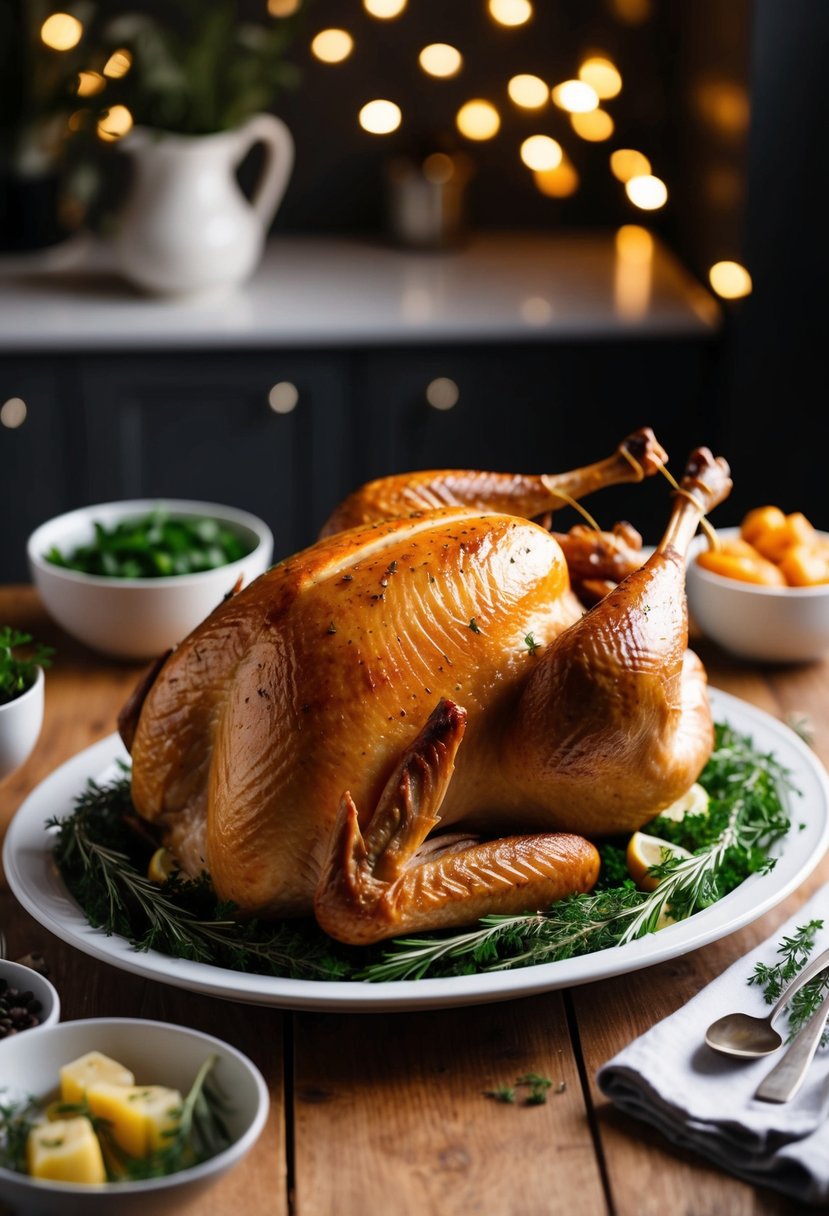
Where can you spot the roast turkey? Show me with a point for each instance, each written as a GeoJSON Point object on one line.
{"type": "Point", "coordinates": [415, 722]}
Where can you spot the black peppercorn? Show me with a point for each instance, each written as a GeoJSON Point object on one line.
{"type": "Point", "coordinates": [18, 1010]}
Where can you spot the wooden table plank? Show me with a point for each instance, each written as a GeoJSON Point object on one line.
{"type": "Point", "coordinates": [400, 1100]}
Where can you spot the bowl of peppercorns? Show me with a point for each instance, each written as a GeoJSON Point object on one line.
{"type": "Point", "coordinates": [27, 999]}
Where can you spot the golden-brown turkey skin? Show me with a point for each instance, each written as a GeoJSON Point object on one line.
{"type": "Point", "coordinates": [315, 679]}
{"type": "Point", "coordinates": [615, 721]}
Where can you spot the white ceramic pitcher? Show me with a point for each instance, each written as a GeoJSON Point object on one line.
{"type": "Point", "coordinates": [186, 226]}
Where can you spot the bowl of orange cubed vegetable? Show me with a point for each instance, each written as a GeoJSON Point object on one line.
{"type": "Point", "coordinates": [761, 590]}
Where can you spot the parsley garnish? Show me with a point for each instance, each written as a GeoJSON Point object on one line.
{"type": "Point", "coordinates": [17, 672]}
{"type": "Point", "coordinates": [531, 643]}
{"type": "Point", "coordinates": [474, 626]}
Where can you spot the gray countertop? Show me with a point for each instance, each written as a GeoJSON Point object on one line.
{"type": "Point", "coordinates": [323, 292]}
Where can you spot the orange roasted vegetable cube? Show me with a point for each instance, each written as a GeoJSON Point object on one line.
{"type": "Point", "coordinates": [760, 520]}
{"type": "Point", "coordinates": [748, 567]}
{"type": "Point", "coordinates": [776, 542]}
{"type": "Point", "coordinates": [806, 565]}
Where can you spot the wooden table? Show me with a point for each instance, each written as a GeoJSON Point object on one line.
{"type": "Point", "coordinates": [377, 1113]}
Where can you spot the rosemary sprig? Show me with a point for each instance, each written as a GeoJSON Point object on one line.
{"type": "Point", "coordinates": [17, 1118]}
{"type": "Point", "coordinates": [795, 951]}
{"type": "Point", "coordinates": [99, 853]}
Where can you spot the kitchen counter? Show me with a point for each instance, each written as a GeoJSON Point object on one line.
{"type": "Point", "coordinates": [321, 291]}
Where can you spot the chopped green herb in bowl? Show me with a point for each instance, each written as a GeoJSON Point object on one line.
{"type": "Point", "coordinates": [154, 546]}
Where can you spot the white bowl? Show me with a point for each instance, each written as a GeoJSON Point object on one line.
{"type": "Point", "coordinates": [20, 723]}
{"type": "Point", "coordinates": [765, 624]}
{"type": "Point", "coordinates": [157, 1053]}
{"type": "Point", "coordinates": [26, 979]}
{"type": "Point", "coordinates": [138, 618]}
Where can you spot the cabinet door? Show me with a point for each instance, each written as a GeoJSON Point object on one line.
{"type": "Point", "coordinates": [40, 455]}
{"type": "Point", "coordinates": [541, 408]}
{"type": "Point", "coordinates": [263, 432]}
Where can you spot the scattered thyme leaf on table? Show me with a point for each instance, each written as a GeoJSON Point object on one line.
{"type": "Point", "coordinates": [102, 850]}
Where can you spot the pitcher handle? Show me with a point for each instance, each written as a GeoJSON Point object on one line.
{"type": "Point", "coordinates": [278, 142]}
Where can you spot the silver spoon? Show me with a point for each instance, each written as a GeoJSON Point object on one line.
{"type": "Point", "coordinates": [740, 1034]}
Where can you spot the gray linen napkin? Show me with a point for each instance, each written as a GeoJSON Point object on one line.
{"type": "Point", "coordinates": [702, 1100]}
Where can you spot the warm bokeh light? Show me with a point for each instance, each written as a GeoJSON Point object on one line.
{"type": "Point", "coordinates": [510, 12]}
{"type": "Point", "coordinates": [541, 152]}
{"type": "Point", "coordinates": [379, 117]}
{"type": "Point", "coordinates": [603, 75]}
{"type": "Point", "coordinates": [631, 12]}
{"type": "Point", "coordinates": [438, 168]}
{"type": "Point", "coordinates": [647, 192]}
{"type": "Point", "coordinates": [633, 272]}
{"type": "Point", "coordinates": [594, 126]}
{"type": "Point", "coordinates": [560, 182]}
{"type": "Point", "coordinates": [478, 119]}
{"type": "Point", "coordinates": [531, 92]}
{"type": "Point", "coordinates": [332, 46]}
{"type": "Point", "coordinates": [77, 120]}
{"type": "Point", "coordinates": [114, 123]}
{"type": "Point", "coordinates": [384, 9]}
{"type": "Point", "coordinates": [440, 59]}
{"type": "Point", "coordinates": [283, 8]}
{"type": "Point", "coordinates": [89, 83]}
{"type": "Point", "coordinates": [730, 280]}
{"type": "Point", "coordinates": [626, 163]}
{"type": "Point", "coordinates": [634, 244]}
{"type": "Point", "coordinates": [61, 32]}
{"type": "Point", "coordinates": [723, 105]}
{"type": "Point", "coordinates": [118, 64]}
{"type": "Point", "coordinates": [575, 96]}
{"type": "Point", "coordinates": [13, 413]}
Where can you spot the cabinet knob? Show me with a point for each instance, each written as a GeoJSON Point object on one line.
{"type": "Point", "coordinates": [283, 397]}
{"type": "Point", "coordinates": [442, 393]}
{"type": "Point", "coordinates": [13, 413]}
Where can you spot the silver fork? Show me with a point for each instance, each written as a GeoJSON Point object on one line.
{"type": "Point", "coordinates": [787, 1076]}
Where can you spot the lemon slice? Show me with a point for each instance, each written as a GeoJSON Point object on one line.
{"type": "Point", "coordinates": [694, 802]}
{"type": "Point", "coordinates": [162, 865]}
{"type": "Point", "coordinates": [644, 851]}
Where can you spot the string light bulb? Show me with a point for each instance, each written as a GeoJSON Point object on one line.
{"type": "Point", "coordinates": [332, 45]}
{"type": "Point", "coordinates": [89, 83]}
{"type": "Point", "coordinates": [529, 92]}
{"type": "Point", "coordinates": [114, 123]}
{"type": "Point", "coordinates": [118, 64]}
{"type": "Point", "coordinates": [730, 280]}
{"type": "Point", "coordinates": [541, 152]}
{"type": "Point", "coordinates": [478, 119]}
{"type": "Point", "coordinates": [560, 182]}
{"type": "Point", "coordinates": [510, 12]}
{"type": "Point", "coordinates": [626, 163]}
{"type": "Point", "coordinates": [380, 117]}
{"type": "Point", "coordinates": [440, 59]}
{"type": "Point", "coordinates": [647, 192]}
{"type": "Point", "coordinates": [594, 126]}
{"type": "Point", "coordinates": [602, 75]}
{"type": "Point", "coordinates": [384, 10]}
{"type": "Point", "coordinates": [575, 96]}
{"type": "Point", "coordinates": [61, 32]}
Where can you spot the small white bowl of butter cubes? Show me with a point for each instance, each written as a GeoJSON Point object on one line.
{"type": "Point", "coordinates": [121, 1115]}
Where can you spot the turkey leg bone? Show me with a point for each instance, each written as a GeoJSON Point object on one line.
{"type": "Point", "coordinates": [637, 456]}
{"type": "Point", "coordinates": [385, 881]}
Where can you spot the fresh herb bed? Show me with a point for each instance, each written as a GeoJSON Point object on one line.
{"type": "Point", "coordinates": [153, 546]}
{"type": "Point", "coordinates": [102, 850]}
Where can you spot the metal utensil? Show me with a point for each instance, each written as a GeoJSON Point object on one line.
{"type": "Point", "coordinates": [788, 1074]}
{"type": "Point", "coordinates": [740, 1034]}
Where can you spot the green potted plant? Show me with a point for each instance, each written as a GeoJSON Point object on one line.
{"type": "Point", "coordinates": [21, 696]}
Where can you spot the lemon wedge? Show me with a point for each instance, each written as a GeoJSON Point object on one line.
{"type": "Point", "coordinates": [644, 851]}
{"type": "Point", "coordinates": [162, 865]}
{"type": "Point", "coordinates": [694, 802]}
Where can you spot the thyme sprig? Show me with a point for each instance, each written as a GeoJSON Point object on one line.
{"type": "Point", "coordinates": [795, 951]}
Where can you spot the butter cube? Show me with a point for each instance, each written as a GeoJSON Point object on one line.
{"type": "Point", "coordinates": [65, 1151]}
{"type": "Point", "coordinates": [139, 1115]}
{"type": "Point", "coordinates": [77, 1076]}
